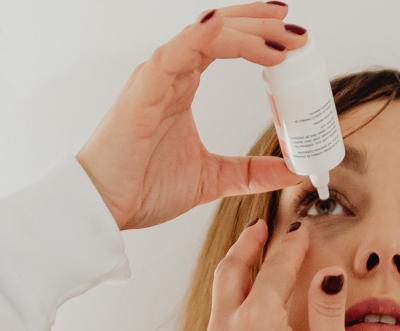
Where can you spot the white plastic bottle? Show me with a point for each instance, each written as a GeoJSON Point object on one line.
{"type": "Point", "coordinates": [305, 116]}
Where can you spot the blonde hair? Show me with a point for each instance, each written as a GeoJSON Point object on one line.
{"type": "Point", "coordinates": [233, 213]}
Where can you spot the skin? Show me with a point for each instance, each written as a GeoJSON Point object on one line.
{"type": "Point", "coordinates": [286, 294]}
{"type": "Point", "coordinates": [146, 157]}
{"type": "Point", "coordinates": [346, 240]}
{"type": "Point", "coordinates": [149, 165]}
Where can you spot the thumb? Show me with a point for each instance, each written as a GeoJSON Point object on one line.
{"type": "Point", "coordinates": [245, 175]}
{"type": "Point", "coordinates": [327, 300]}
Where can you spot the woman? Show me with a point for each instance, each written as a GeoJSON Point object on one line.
{"type": "Point", "coordinates": [144, 165]}
{"type": "Point", "coordinates": [161, 91]}
{"type": "Point", "coordinates": [148, 165]}
{"type": "Point", "coordinates": [356, 230]}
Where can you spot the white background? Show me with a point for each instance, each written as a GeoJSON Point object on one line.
{"type": "Point", "coordinates": [62, 64]}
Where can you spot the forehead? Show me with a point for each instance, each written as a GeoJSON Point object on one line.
{"type": "Point", "coordinates": [380, 137]}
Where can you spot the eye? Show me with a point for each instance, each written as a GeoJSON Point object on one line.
{"type": "Point", "coordinates": [325, 207]}
{"type": "Point", "coordinates": [308, 204]}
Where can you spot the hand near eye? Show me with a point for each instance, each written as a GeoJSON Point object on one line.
{"type": "Point", "coordinates": [238, 305]}
{"type": "Point", "coordinates": [146, 158]}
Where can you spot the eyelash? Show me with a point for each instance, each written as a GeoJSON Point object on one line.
{"type": "Point", "coordinates": [307, 198]}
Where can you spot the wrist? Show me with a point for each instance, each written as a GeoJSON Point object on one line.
{"type": "Point", "coordinates": [118, 218]}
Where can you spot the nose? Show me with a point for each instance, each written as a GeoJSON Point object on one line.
{"type": "Point", "coordinates": [382, 255]}
{"type": "Point", "coordinates": [378, 244]}
{"type": "Point", "coordinates": [373, 261]}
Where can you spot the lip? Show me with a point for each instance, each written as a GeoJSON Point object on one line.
{"type": "Point", "coordinates": [383, 306]}
{"type": "Point", "coordinates": [373, 327]}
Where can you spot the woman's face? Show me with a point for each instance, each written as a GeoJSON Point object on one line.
{"type": "Point", "coordinates": [363, 216]}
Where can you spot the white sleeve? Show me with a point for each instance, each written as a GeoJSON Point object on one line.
{"type": "Point", "coordinates": [57, 240]}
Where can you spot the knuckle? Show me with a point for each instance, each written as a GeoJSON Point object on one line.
{"type": "Point", "coordinates": [157, 54]}
{"type": "Point", "coordinates": [187, 27]}
{"type": "Point", "coordinates": [327, 309]}
{"type": "Point", "coordinates": [227, 264]}
{"type": "Point", "coordinates": [157, 59]}
{"type": "Point", "coordinates": [138, 68]}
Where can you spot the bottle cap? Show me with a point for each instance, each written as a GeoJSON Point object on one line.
{"type": "Point", "coordinates": [299, 63]}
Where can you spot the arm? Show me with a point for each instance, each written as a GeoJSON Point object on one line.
{"type": "Point", "coordinates": [57, 240]}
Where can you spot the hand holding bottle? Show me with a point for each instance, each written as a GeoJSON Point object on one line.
{"type": "Point", "coordinates": [146, 158]}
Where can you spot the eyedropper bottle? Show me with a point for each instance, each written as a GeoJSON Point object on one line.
{"type": "Point", "coordinates": [305, 116]}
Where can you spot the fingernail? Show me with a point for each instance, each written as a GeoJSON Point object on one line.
{"type": "Point", "coordinates": [252, 222]}
{"type": "Point", "coordinates": [294, 226]}
{"type": "Point", "coordinates": [208, 16]}
{"type": "Point", "coordinates": [277, 3]}
{"type": "Point", "coordinates": [275, 45]}
{"type": "Point", "coordinates": [295, 29]}
{"type": "Point", "coordinates": [332, 284]}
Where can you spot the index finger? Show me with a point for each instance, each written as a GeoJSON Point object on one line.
{"type": "Point", "coordinates": [184, 52]}
{"type": "Point", "coordinates": [187, 37]}
{"type": "Point", "coordinates": [256, 9]}
{"type": "Point", "coordinates": [232, 277]}
{"type": "Point", "coordinates": [278, 272]}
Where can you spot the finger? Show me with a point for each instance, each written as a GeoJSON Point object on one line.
{"type": "Point", "coordinates": [326, 310]}
{"type": "Point", "coordinates": [251, 10]}
{"type": "Point", "coordinates": [278, 272]}
{"type": "Point", "coordinates": [232, 277]}
{"type": "Point", "coordinates": [230, 176]}
{"type": "Point", "coordinates": [255, 9]}
{"type": "Point", "coordinates": [269, 29]}
{"type": "Point", "coordinates": [181, 55]}
{"type": "Point", "coordinates": [232, 44]}
{"type": "Point", "coordinates": [194, 49]}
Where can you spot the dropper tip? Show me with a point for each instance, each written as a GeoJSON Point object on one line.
{"type": "Point", "coordinates": [323, 192]}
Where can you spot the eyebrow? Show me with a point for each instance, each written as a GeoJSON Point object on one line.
{"type": "Point", "coordinates": [355, 160]}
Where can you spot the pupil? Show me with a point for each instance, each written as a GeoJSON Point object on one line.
{"type": "Point", "coordinates": [325, 206]}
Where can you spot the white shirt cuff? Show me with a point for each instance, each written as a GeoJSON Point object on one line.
{"type": "Point", "coordinates": [57, 240]}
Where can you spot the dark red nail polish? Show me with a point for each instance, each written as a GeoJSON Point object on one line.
{"type": "Point", "coordinates": [332, 284]}
{"type": "Point", "coordinates": [208, 16]}
{"type": "Point", "coordinates": [294, 226]}
{"type": "Point", "coordinates": [295, 29]}
{"type": "Point", "coordinates": [275, 45]}
{"type": "Point", "coordinates": [276, 3]}
{"type": "Point", "coordinates": [252, 222]}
